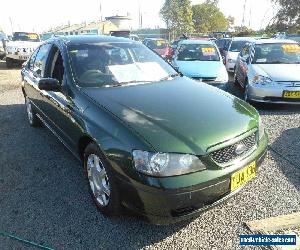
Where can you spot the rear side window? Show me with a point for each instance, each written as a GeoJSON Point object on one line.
{"type": "Point", "coordinates": [32, 58]}
{"type": "Point", "coordinates": [40, 60]}
{"type": "Point", "coordinates": [245, 51]}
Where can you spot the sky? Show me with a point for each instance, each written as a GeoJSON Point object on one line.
{"type": "Point", "coordinates": [41, 15]}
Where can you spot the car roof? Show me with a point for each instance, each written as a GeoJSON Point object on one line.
{"type": "Point", "coordinates": [243, 38]}
{"type": "Point", "coordinates": [273, 40]}
{"type": "Point", "coordinates": [90, 39]}
{"type": "Point", "coordinates": [188, 41]}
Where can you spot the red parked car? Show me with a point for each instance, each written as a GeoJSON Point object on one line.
{"type": "Point", "coordinates": [160, 46]}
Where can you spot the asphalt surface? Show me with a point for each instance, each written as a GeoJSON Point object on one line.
{"type": "Point", "coordinates": [44, 195]}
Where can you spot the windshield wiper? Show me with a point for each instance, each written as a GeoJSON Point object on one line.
{"type": "Point", "coordinates": [122, 83]}
{"type": "Point", "coordinates": [169, 76]}
{"type": "Point", "coordinates": [191, 59]}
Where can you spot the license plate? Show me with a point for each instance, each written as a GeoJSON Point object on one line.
{"type": "Point", "coordinates": [242, 176]}
{"type": "Point", "coordinates": [291, 94]}
{"type": "Point", "coordinates": [23, 57]}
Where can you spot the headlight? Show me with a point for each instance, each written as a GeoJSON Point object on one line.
{"type": "Point", "coordinates": [9, 49]}
{"type": "Point", "coordinates": [165, 164]}
{"type": "Point", "coordinates": [261, 80]}
{"type": "Point", "coordinates": [261, 128]}
{"type": "Point", "coordinates": [223, 76]}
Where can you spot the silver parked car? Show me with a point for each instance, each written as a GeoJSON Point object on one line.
{"type": "Point", "coordinates": [269, 71]}
{"type": "Point", "coordinates": [233, 49]}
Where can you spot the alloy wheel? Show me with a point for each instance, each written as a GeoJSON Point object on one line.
{"type": "Point", "coordinates": [29, 110]}
{"type": "Point", "coordinates": [98, 179]}
{"type": "Point", "coordinates": [246, 98]}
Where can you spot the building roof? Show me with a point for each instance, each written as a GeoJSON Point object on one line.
{"type": "Point", "coordinates": [244, 39]}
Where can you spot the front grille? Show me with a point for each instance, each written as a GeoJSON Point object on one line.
{"type": "Point", "coordinates": [231, 153]}
{"type": "Point", "coordinates": [289, 83]}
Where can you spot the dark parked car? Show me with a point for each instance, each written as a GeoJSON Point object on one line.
{"type": "Point", "coordinates": [222, 44]}
{"type": "Point", "coordinates": [160, 46]}
{"type": "Point", "coordinates": [158, 144]}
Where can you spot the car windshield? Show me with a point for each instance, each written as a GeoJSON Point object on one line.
{"type": "Point", "coordinates": [114, 64]}
{"type": "Point", "coordinates": [157, 44]}
{"type": "Point", "coordinates": [294, 38]}
{"type": "Point", "coordinates": [197, 52]}
{"type": "Point", "coordinates": [236, 46]}
{"type": "Point", "coordinates": [277, 53]}
{"type": "Point", "coordinates": [27, 37]}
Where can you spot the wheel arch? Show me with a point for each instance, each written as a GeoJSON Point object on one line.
{"type": "Point", "coordinates": [83, 142]}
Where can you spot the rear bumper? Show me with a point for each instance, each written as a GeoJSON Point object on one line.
{"type": "Point", "coordinates": [230, 66]}
{"type": "Point", "coordinates": [166, 206]}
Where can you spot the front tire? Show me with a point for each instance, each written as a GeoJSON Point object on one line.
{"type": "Point", "coordinates": [9, 62]}
{"type": "Point", "coordinates": [102, 184]}
{"type": "Point", "coordinates": [34, 121]}
{"type": "Point", "coordinates": [246, 92]}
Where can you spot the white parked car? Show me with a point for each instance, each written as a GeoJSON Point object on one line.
{"type": "Point", "coordinates": [21, 47]}
{"type": "Point", "coordinates": [233, 50]}
{"type": "Point", "coordinates": [269, 71]}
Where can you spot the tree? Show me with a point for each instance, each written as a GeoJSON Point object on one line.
{"type": "Point", "coordinates": [177, 14]}
{"type": "Point", "coordinates": [230, 21]}
{"type": "Point", "coordinates": [287, 17]}
{"type": "Point", "coordinates": [243, 31]}
{"type": "Point", "coordinates": [207, 17]}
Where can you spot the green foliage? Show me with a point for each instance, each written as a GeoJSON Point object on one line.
{"type": "Point", "coordinates": [230, 20]}
{"type": "Point", "coordinates": [177, 14]}
{"type": "Point", "coordinates": [287, 18]}
{"type": "Point", "coordinates": [243, 31]}
{"type": "Point", "coordinates": [207, 18]}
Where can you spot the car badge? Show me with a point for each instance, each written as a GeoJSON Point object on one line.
{"type": "Point", "coordinates": [240, 149]}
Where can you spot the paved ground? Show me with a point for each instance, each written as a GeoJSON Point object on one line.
{"type": "Point", "coordinates": [44, 196]}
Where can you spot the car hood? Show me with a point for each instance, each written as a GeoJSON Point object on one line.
{"type": "Point", "coordinates": [179, 115]}
{"type": "Point", "coordinates": [22, 44]}
{"type": "Point", "coordinates": [279, 72]}
{"type": "Point", "coordinates": [233, 55]}
{"type": "Point", "coordinates": [200, 68]}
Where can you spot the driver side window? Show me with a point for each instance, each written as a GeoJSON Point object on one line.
{"type": "Point", "coordinates": [56, 68]}
{"type": "Point", "coordinates": [40, 60]}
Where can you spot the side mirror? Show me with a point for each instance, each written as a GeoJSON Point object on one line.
{"type": "Point", "coordinates": [224, 60]}
{"type": "Point", "coordinates": [49, 84]}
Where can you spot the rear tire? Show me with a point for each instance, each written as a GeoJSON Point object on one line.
{"type": "Point", "coordinates": [246, 94]}
{"type": "Point", "coordinates": [235, 79]}
{"type": "Point", "coordinates": [34, 121]}
{"type": "Point", "coordinates": [101, 180]}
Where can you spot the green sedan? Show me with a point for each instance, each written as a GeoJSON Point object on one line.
{"type": "Point", "coordinates": [149, 139]}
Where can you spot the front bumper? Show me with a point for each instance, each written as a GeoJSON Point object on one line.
{"type": "Point", "coordinates": [175, 201]}
{"type": "Point", "coordinates": [271, 94]}
{"type": "Point", "coordinates": [18, 56]}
